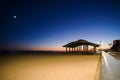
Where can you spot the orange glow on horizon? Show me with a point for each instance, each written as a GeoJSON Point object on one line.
{"type": "Point", "coordinates": [103, 46]}
{"type": "Point", "coordinates": [49, 49]}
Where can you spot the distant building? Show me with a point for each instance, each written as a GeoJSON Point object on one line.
{"type": "Point", "coordinates": [116, 45]}
{"type": "Point", "coordinates": [80, 46]}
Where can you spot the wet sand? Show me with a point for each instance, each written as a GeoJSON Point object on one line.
{"type": "Point", "coordinates": [49, 67]}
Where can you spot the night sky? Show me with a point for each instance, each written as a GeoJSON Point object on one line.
{"type": "Point", "coordinates": [50, 24]}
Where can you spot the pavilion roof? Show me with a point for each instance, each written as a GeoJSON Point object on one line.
{"type": "Point", "coordinates": [80, 42]}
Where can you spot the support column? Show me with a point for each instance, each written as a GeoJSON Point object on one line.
{"type": "Point", "coordinates": [94, 49]}
{"type": "Point", "coordinates": [85, 47]}
{"type": "Point", "coordinates": [80, 48]}
{"type": "Point", "coordinates": [66, 49]}
{"type": "Point", "coordinates": [69, 49]}
{"type": "Point", "coordinates": [77, 48]}
{"type": "Point", "coordinates": [74, 49]}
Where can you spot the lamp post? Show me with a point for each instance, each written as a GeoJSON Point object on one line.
{"type": "Point", "coordinates": [100, 47]}
{"type": "Point", "coordinates": [110, 44]}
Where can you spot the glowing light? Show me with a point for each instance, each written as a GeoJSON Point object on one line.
{"type": "Point", "coordinates": [15, 17]}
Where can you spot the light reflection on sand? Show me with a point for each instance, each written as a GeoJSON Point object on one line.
{"type": "Point", "coordinates": [49, 67]}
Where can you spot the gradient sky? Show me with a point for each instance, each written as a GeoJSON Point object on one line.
{"type": "Point", "coordinates": [49, 24]}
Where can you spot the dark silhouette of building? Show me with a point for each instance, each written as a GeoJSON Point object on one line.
{"type": "Point", "coordinates": [116, 45]}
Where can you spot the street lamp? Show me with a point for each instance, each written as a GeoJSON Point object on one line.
{"type": "Point", "coordinates": [100, 46]}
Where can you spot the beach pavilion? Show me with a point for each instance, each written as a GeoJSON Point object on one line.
{"type": "Point", "coordinates": [80, 46]}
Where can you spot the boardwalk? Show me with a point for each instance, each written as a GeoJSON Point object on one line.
{"type": "Point", "coordinates": [49, 67]}
{"type": "Point", "coordinates": [110, 67]}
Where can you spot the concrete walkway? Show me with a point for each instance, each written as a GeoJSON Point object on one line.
{"type": "Point", "coordinates": [110, 67]}
{"type": "Point", "coordinates": [50, 67]}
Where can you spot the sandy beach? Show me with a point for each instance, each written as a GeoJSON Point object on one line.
{"type": "Point", "coordinates": [50, 67]}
